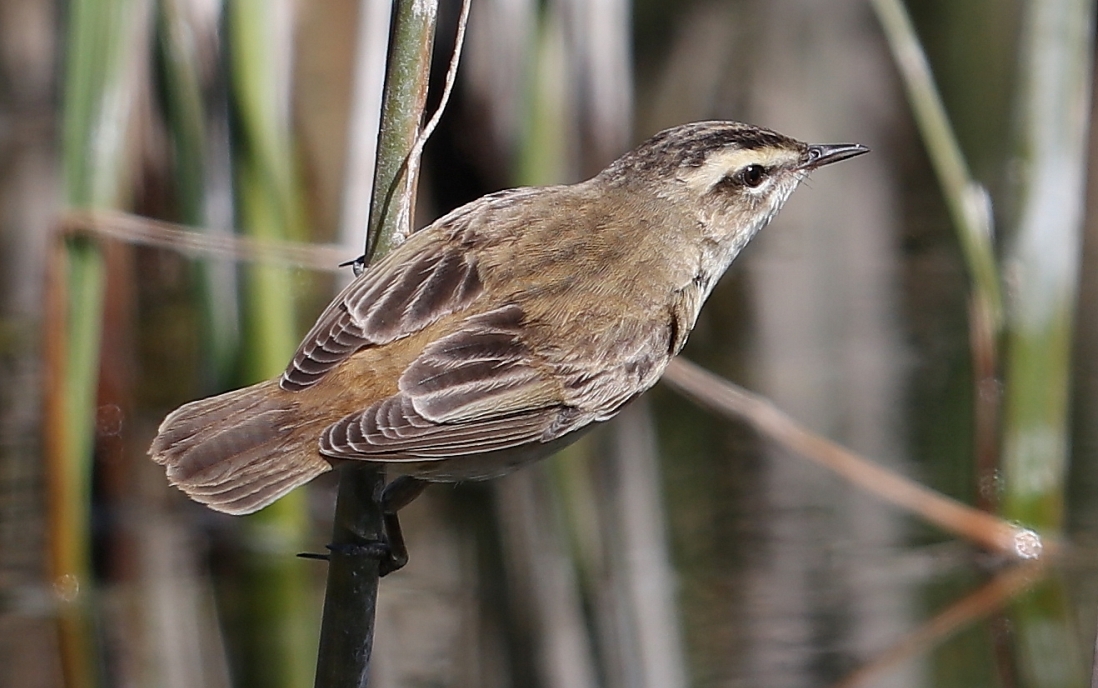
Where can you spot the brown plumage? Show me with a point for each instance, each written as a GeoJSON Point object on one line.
{"type": "Point", "coordinates": [491, 337]}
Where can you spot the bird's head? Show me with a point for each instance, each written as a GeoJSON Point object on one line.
{"type": "Point", "coordinates": [734, 177]}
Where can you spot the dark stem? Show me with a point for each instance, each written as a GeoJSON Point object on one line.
{"type": "Point", "coordinates": [347, 632]}
{"type": "Point", "coordinates": [347, 629]}
{"type": "Point", "coordinates": [1094, 665]}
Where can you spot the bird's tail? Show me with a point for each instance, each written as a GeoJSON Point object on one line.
{"type": "Point", "coordinates": [239, 451]}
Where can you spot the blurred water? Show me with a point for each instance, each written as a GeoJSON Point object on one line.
{"type": "Point", "coordinates": [849, 312]}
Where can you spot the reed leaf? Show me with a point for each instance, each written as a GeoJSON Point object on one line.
{"type": "Point", "coordinates": [99, 85]}
{"type": "Point", "coordinates": [277, 608]}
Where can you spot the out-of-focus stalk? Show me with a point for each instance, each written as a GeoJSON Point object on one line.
{"type": "Point", "coordinates": [967, 201]}
{"type": "Point", "coordinates": [1043, 264]}
{"type": "Point", "coordinates": [545, 154]}
{"type": "Point", "coordinates": [970, 210]}
{"type": "Point", "coordinates": [346, 634]}
{"type": "Point", "coordinates": [1043, 261]}
{"type": "Point", "coordinates": [99, 85]}
{"type": "Point", "coordinates": [278, 615]}
{"type": "Point", "coordinates": [188, 47]}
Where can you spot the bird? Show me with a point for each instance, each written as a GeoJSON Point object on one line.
{"type": "Point", "coordinates": [502, 331]}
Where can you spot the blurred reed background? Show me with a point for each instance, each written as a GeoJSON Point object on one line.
{"type": "Point", "coordinates": [674, 548]}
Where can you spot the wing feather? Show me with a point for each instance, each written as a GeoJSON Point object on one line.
{"type": "Point", "coordinates": [392, 430]}
{"type": "Point", "coordinates": [483, 370]}
{"type": "Point", "coordinates": [474, 391]}
{"type": "Point", "coordinates": [394, 300]}
{"type": "Point", "coordinates": [431, 275]}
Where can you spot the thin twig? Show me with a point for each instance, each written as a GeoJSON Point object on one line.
{"type": "Point", "coordinates": [976, 526]}
{"type": "Point", "coordinates": [986, 600]}
{"type": "Point", "coordinates": [451, 76]}
{"type": "Point", "coordinates": [134, 229]}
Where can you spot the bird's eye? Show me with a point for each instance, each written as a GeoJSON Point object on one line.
{"type": "Point", "coordinates": [753, 175]}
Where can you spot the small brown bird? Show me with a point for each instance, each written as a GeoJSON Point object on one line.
{"type": "Point", "coordinates": [496, 334]}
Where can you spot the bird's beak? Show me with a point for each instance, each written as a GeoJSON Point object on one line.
{"type": "Point", "coordinates": [820, 154]}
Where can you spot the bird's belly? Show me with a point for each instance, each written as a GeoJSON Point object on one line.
{"type": "Point", "coordinates": [483, 466]}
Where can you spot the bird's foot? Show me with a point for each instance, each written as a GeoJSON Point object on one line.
{"type": "Point", "coordinates": [391, 552]}
{"type": "Point", "coordinates": [397, 495]}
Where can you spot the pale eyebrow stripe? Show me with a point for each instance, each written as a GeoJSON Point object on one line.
{"type": "Point", "coordinates": [703, 177]}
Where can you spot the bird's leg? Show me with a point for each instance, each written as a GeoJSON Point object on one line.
{"type": "Point", "coordinates": [397, 495]}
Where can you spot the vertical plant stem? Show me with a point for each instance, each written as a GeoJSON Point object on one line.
{"type": "Point", "coordinates": [98, 93]}
{"type": "Point", "coordinates": [411, 37]}
{"type": "Point", "coordinates": [181, 37]}
{"type": "Point", "coordinates": [1055, 79]}
{"type": "Point", "coordinates": [965, 199]}
{"type": "Point", "coordinates": [1045, 255]}
{"type": "Point", "coordinates": [279, 616]}
{"type": "Point", "coordinates": [346, 633]}
{"type": "Point", "coordinates": [969, 208]}
{"type": "Point", "coordinates": [75, 284]}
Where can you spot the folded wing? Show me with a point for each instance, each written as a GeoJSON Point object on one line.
{"type": "Point", "coordinates": [384, 304]}
{"type": "Point", "coordinates": [476, 390]}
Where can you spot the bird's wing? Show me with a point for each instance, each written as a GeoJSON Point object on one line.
{"type": "Point", "coordinates": [476, 390]}
{"type": "Point", "coordinates": [433, 274]}
{"type": "Point", "coordinates": [399, 296]}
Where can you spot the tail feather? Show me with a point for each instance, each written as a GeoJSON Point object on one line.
{"type": "Point", "coordinates": [245, 498]}
{"type": "Point", "coordinates": [241, 468]}
{"type": "Point", "coordinates": [239, 451]}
